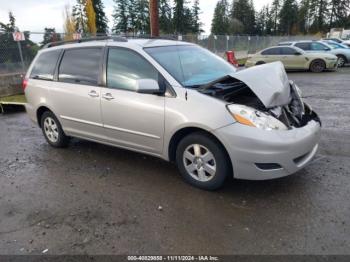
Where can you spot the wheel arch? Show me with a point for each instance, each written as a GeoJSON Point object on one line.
{"type": "Point", "coordinates": [185, 131]}
{"type": "Point", "coordinates": [317, 59]}
{"type": "Point", "coordinates": [40, 111]}
{"type": "Point", "coordinates": [344, 56]}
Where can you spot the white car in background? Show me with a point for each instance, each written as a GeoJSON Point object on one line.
{"type": "Point", "coordinates": [311, 46]}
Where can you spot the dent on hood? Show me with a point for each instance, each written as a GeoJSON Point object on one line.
{"type": "Point", "coordinates": [269, 82]}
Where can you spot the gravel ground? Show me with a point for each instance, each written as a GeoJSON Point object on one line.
{"type": "Point", "coordinates": [95, 199]}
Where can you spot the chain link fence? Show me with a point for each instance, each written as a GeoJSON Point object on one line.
{"type": "Point", "coordinates": [10, 60]}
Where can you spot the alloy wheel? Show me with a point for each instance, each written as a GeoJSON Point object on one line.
{"type": "Point", "coordinates": [51, 129]}
{"type": "Point", "coordinates": [199, 163]}
{"type": "Point", "coordinates": [341, 61]}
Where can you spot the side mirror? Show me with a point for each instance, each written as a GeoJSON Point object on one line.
{"type": "Point", "coordinates": [147, 86]}
{"type": "Point", "coordinates": [327, 49]}
{"type": "Point", "coordinates": [297, 53]}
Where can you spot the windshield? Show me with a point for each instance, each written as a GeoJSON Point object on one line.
{"type": "Point", "coordinates": [192, 66]}
{"type": "Point", "coordinates": [336, 45]}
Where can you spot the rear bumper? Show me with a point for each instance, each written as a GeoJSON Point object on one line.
{"type": "Point", "coordinates": [263, 155]}
{"type": "Point", "coordinates": [31, 112]}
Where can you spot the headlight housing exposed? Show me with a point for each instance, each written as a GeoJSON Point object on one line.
{"type": "Point", "coordinates": [251, 117]}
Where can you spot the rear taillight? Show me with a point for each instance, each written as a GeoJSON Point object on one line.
{"type": "Point", "coordinates": [24, 83]}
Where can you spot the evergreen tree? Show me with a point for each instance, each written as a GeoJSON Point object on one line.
{"type": "Point", "coordinates": [244, 12]}
{"type": "Point", "coordinates": [196, 24]}
{"type": "Point", "coordinates": [142, 20]}
{"type": "Point", "coordinates": [179, 16]}
{"type": "Point", "coordinates": [121, 16]}
{"type": "Point", "coordinates": [220, 22]}
{"type": "Point", "coordinates": [320, 11]}
{"type": "Point", "coordinates": [288, 17]}
{"type": "Point", "coordinates": [339, 15]}
{"type": "Point", "coordinates": [262, 21]}
{"type": "Point", "coordinates": [275, 10]}
{"type": "Point", "coordinates": [101, 19]}
{"type": "Point", "coordinates": [304, 16]}
{"type": "Point", "coordinates": [165, 17]}
{"type": "Point", "coordinates": [188, 21]}
{"type": "Point", "coordinates": [79, 16]}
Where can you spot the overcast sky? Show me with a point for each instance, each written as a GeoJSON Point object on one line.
{"type": "Point", "coordinates": [34, 15]}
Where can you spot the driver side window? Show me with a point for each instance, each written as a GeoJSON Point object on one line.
{"type": "Point", "coordinates": [125, 67]}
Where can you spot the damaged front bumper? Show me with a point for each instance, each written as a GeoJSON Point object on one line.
{"type": "Point", "coordinates": [261, 155]}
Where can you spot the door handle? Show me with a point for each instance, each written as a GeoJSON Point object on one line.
{"type": "Point", "coordinates": [93, 93]}
{"type": "Point", "coordinates": [108, 96]}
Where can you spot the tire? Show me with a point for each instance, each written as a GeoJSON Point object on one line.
{"type": "Point", "coordinates": [260, 63]}
{"type": "Point", "coordinates": [202, 161]}
{"type": "Point", "coordinates": [53, 131]}
{"type": "Point", "coordinates": [341, 60]}
{"type": "Point", "coordinates": [317, 66]}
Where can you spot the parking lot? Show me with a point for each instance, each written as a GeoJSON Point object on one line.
{"type": "Point", "coordinates": [95, 199]}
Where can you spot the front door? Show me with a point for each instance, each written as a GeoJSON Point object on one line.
{"type": "Point", "coordinates": [131, 120]}
{"type": "Point", "coordinates": [291, 60]}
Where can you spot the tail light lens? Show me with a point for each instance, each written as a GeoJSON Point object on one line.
{"type": "Point", "coordinates": [24, 83]}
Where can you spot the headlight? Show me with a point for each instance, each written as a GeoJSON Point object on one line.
{"type": "Point", "coordinates": [250, 117]}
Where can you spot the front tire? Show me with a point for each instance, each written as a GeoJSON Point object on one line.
{"type": "Point", "coordinates": [202, 161]}
{"type": "Point", "coordinates": [341, 60]}
{"type": "Point", "coordinates": [317, 66]}
{"type": "Point", "coordinates": [53, 131]}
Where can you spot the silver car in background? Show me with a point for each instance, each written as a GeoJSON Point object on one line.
{"type": "Point", "coordinates": [176, 101]}
{"type": "Point", "coordinates": [343, 54]}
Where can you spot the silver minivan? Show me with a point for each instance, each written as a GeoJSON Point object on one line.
{"type": "Point", "coordinates": [176, 101]}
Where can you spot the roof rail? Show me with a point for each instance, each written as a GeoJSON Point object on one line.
{"type": "Point", "coordinates": [83, 40]}
{"type": "Point", "coordinates": [169, 37]}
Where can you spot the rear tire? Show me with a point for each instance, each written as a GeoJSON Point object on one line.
{"type": "Point", "coordinates": [341, 60]}
{"type": "Point", "coordinates": [53, 131]}
{"type": "Point", "coordinates": [317, 66]}
{"type": "Point", "coordinates": [202, 161]}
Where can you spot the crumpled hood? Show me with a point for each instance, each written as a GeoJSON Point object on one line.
{"type": "Point", "coordinates": [269, 83]}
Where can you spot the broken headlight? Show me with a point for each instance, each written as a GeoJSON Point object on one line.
{"type": "Point", "coordinates": [250, 117]}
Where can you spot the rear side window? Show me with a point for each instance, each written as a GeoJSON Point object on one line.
{"type": "Point", "coordinates": [44, 67]}
{"type": "Point", "coordinates": [80, 66]}
{"type": "Point", "coordinates": [124, 67]}
{"type": "Point", "coordinates": [318, 47]}
{"type": "Point", "coordinates": [288, 51]}
{"type": "Point", "coordinates": [272, 51]}
{"type": "Point", "coordinates": [304, 46]}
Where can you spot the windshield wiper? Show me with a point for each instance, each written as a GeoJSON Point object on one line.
{"type": "Point", "coordinates": [209, 85]}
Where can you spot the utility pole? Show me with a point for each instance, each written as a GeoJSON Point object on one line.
{"type": "Point", "coordinates": [154, 17]}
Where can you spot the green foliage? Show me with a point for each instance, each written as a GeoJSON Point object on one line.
{"type": "Point", "coordinates": [80, 16]}
{"type": "Point", "coordinates": [281, 17]}
{"type": "Point", "coordinates": [101, 19]}
{"type": "Point", "coordinates": [121, 16]}
{"type": "Point", "coordinates": [131, 17]}
{"type": "Point", "coordinates": [29, 49]}
{"type": "Point", "coordinates": [319, 10]}
{"type": "Point", "coordinates": [244, 12]}
{"type": "Point", "coordinates": [288, 17]}
{"type": "Point", "coordinates": [196, 24]}
{"type": "Point", "coordinates": [220, 24]}
{"type": "Point", "coordinates": [50, 35]}
{"type": "Point", "coordinates": [165, 17]}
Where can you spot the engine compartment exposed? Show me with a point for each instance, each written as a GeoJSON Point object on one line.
{"type": "Point", "coordinates": [295, 114]}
